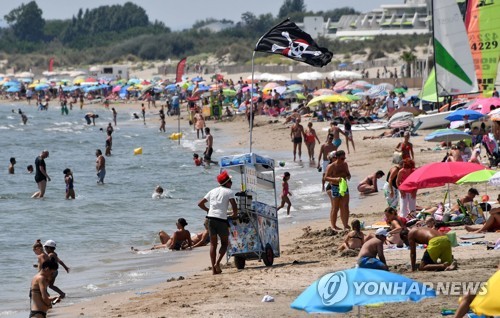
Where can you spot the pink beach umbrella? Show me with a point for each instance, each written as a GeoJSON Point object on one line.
{"type": "Point", "coordinates": [341, 85]}
{"type": "Point", "coordinates": [484, 104]}
{"type": "Point", "coordinates": [323, 91]}
{"type": "Point", "coordinates": [116, 89]}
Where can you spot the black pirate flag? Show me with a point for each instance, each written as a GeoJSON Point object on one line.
{"type": "Point", "coordinates": [289, 40]}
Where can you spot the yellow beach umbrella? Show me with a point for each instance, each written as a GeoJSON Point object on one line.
{"type": "Point", "coordinates": [328, 99]}
{"type": "Point", "coordinates": [488, 303]}
{"type": "Point", "coordinates": [78, 80]}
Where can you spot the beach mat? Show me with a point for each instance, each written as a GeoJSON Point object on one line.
{"type": "Point", "coordinates": [471, 236]}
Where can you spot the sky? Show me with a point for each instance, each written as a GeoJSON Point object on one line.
{"type": "Point", "coordinates": [182, 14]}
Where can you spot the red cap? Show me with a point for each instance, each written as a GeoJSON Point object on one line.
{"type": "Point", "coordinates": [223, 177]}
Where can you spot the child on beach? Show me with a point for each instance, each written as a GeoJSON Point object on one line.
{"type": "Point", "coordinates": [68, 179]}
{"type": "Point", "coordinates": [40, 254]}
{"type": "Point", "coordinates": [354, 239]}
{"type": "Point", "coordinates": [284, 194]}
{"type": "Point", "coordinates": [50, 249]}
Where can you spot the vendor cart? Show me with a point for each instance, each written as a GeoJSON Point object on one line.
{"type": "Point", "coordinates": [254, 235]}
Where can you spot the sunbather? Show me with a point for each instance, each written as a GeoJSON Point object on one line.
{"type": "Point", "coordinates": [354, 239]}
{"type": "Point", "coordinates": [491, 225]}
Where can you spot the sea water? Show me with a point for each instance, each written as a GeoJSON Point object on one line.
{"type": "Point", "coordinates": [95, 232]}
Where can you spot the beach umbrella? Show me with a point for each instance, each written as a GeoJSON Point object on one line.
{"type": "Point", "coordinates": [495, 179]}
{"type": "Point", "coordinates": [484, 104]}
{"type": "Point", "coordinates": [478, 176]}
{"type": "Point", "coordinates": [323, 91]}
{"type": "Point", "coordinates": [269, 86]}
{"type": "Point", "coordinates": [197, 79]}
{"type": "Point", "coordinates": [10, 83]}
{"type": "Point", "coordinates": [447, 135]}
{"type": "Point", "coordinates": [116, 89]}
{"type": "Point", "coordinates": [229, 92]}
{"type": "Point", "coordinates": [13, 89]}
{"type": "Point", "coordinates": [361, 84]}
{"type": "Point", "coordinates": [328, 99]}
{"type": "Point", "coordinates": [133, 81]}
{"type": "Point", "coordinates": [488, 304]}
{"type": "Point", "coordinates": [292, 82]}
{"type": "Point", "coordinates": [295, 88]}
{"type": "Point", "coordinates": [339, 86]}
{"type": "Point", "coordinates": [341, 291]}
{"type": "Point", "coordinates": [41, 87]}
{"type": "Point", "coordinates": [437, 174]}
{"type": "Point", "coordinates": [310, 76]}
{"type": "Point", "coordinates": [343, 64]}
{"type": "Point", "coordinates": [459, 115]}
{"type": "Point", "coordinates": [300, 96]}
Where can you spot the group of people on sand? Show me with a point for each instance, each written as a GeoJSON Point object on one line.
{"type": "Point", "coordinates": [47, 265]}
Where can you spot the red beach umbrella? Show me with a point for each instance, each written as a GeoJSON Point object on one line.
{"type": "Point", "coordinates": [438, 174]}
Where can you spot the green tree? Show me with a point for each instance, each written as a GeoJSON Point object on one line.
{"type": "Point", "coordinates": [291, 6]}
{"type": "Point", "coordinates": [409, 58]}
{"type": "Point", "coordinates": [26, 22]}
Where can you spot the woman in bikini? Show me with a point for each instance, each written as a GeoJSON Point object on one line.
{"type": "Point", "coordinates": [40, 301]}
{"type": "Point", "coordinates": [354, 239]}
{"type": "Point", "coordinates": [406, 147]}
{"type": "Point", "coordinates": [199, 124]}
{"type": "Point", "coordinates": [396, 225]}
{"type": "Point", "coordinates": [311, 137]}
{"type": "Point", "coordinates": [391, 192]}
{"type": "Point", "coordinates": [177, 240]}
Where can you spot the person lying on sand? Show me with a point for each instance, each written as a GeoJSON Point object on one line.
{"type": "Point", "coordinates": [491, 225]}
{"type": "Point", "coordinates": [354, 239]}
{"type": "Point", "coordinates": [176, 241]}
{"type": "Point", "coordinates": [438, 247]}
{"type": "Point", "coordinates": [370, 250]}
{"type": "Point", "coordinates": [386, 134]}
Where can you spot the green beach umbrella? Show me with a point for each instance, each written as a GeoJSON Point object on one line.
{"type": "Point", "coordinates": [229, 92]}
{"type": "Point", "coordinates": [479, 176]}
{"type": "Point", "coordinates": [300, 96]}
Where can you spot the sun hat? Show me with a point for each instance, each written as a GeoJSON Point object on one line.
{"type": "Point", "coordinates": [50, 243]}
{"type": "Point", "coordinates": [223, 177]}
{"type": "Point", "coordinates": [381, 231]}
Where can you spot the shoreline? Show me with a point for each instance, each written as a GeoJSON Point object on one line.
{"type": "Point", "coordinates": [306, 254]}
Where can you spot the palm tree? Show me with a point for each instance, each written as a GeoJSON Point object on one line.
{"type": "Point", "coordinates": [409, 58]}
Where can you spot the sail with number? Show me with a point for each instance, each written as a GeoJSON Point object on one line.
{"type": "Point", "coordinates": [454, 66]}
{"type": "Point", "coordinates": [483, 28]}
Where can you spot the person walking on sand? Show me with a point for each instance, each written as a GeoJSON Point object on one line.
{"type": "Point", "coordinates": [285, 193]}
{"type": "Point", "coordinates": [348, 130]}
{"type": "Point", "coordinates": [68, 179]}
{"type": "Point", "coordinates": [219, 200]}
{"type": "Point", "coordinates": [373, 248]}
{"type": "Point", "coordinates": [41, 175]}
{"type": "Point", "coordinates": [438, 248]}
{"type": "Point", "coordinates": [337, 172]}
{"type": "Point", "coordinates": [335, 131]}
{"type": "Point", "coordinates": [50, 249]}
{"type": "Point", "coordinates": [199, 124]}
{"type": "Point", "coordinates": [100, 166]}
{"type": "Point", "coordinates": [40, 300]}
{"type": "Point", "coordinates": [406, 147]}
{"type": "Point", "coordinates": [296, 134]}
{"type": "Point", "coordinates": [310, 139]}
{"type": "Point", "coordinates": [325, 149]}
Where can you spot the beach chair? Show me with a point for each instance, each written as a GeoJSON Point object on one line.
{"type": "Point", "coordinates": [490, 146]}
{"type": "Point", "coordinates": [415, 127]}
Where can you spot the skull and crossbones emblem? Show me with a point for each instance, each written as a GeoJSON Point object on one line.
{"type": "Point", "coordinates": [295, 48]}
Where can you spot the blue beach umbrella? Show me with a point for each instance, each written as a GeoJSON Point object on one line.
{"type": "Point", "coordinates": [447, 134]}
{"type": "Point", "coordinates": [291, 82]}
{"type": "Point", "coordinates": [13, 89]}
{"type": "Point", "coordinates": [41, 87]}
{"type": "Point", "coordinates": [197, 79]}
{"type": "Point", "coordinates": [11, 83]}
{"type": "Point", "coordinates": [459, 115]}
{"type": "Point", "coordinates": [341, 291]}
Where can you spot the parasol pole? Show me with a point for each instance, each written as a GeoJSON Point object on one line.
{"type": "Point", "coordinates": [251, 101]}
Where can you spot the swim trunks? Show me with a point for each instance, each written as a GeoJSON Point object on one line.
{"type": "Point", "coordinates": [325, 164]}
{"type": "Point", "coordinates": [100, 175]}
{"type": "Point", "coordinates": [337, 142]}
{"type": "Point", "coordinates": [371, 263]}
{"type": "Point", "coordinates": [34, 313]}
{"type": "Point", "coordinates": [218, 227]}
{"type": "Point", "coordinates": [336, 191]}
{"type": "Point", "coordinates": [438, 248]}
{"type": "Point", "coordinates": [208, 153]}
{"type": "Point", "coordinates": [297, 140]}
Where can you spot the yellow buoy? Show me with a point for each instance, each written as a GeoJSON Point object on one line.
{"type": "Point", "coordinates": [138, 151]}
{"type": "Point", "coordinates": [176, 136]}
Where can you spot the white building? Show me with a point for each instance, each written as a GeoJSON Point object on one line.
{"type": "Point", "coordinates": [111, 72]}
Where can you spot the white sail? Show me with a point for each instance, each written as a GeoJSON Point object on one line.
{"type": "Point", "coordinates": [455, 73]}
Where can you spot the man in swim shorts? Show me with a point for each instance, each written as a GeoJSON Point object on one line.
{"type": "Point", "coordinates": [337, 171]}
{"type": "Point", "coordinates": [207, 155]}
{"type": "Point", "coordinates": [296, 134]}
{"type": "Point", "coordinates": [336, 131]}
{"type": "Point", "coordinates": [218, 226]}
{"type": "Point", "coordinates": [100, 166]}
{"type": "Point", "coordinates": [438, 255]}
{"type": "Point", "coordinates": [324, 150]}
{"type": "Point", "coordinates": [370, 250]}
{"type": "Point", "coordinates": [41, 175]}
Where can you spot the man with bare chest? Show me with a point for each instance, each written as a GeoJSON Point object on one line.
{"type": "Point", "coordinates": [325, 149]}
{"type": "Point", "coordinates": [337, 171]}
{"type": "Point", "coordinates": [296, 134]}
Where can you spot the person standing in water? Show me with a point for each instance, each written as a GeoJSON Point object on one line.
{"type": "Point", "coordinates": [100, 166]}
{"type": "Point", "coordinates": [11, 165]}
{"type": "Point", "coordinates": [113, 110]}
{"type": "Point", "coordinates": [209, 150]}
{"type": "Point", "coordinates": [296, 134]}
{"type": "Point", "coordinates": [143, 112]}
{"type": "Point", "coordinates": [109, 143]}
{"type": "Point", "coordinates": [41, 175]}
{"type": "Point", "coordinates": [68, 179]}
{"type": "Point", "coordinates": [285, 193]}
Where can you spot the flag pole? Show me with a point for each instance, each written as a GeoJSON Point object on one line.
{"type": "Point", "coordinates": [251, 100]}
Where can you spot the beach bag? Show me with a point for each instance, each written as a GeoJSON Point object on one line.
{"type": "Point", "coordinates": [342, 187]}
{"type": "Point", "coordinates": [397, 157]}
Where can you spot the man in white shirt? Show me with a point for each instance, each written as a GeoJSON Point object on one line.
{"type": "Point", "coordinates": [219, 199]}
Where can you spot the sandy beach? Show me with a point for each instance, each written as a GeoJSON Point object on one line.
{"type": "Point", "coordinates": [309, 249]}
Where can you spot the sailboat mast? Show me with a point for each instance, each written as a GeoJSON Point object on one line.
{"type": "Point", "coordinates": [434, 51]}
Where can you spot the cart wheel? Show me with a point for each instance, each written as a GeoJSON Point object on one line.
{"type": "Point", "coordinates": [268, 255]}
{"type": "Point", "coordinates": [239, 262]}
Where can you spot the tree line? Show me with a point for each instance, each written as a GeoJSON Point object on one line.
{"type": "Point", "coordinates": [117, 33]}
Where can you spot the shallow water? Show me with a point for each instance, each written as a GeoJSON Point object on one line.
{"type": "Point", "coordinates": [94, 233]}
